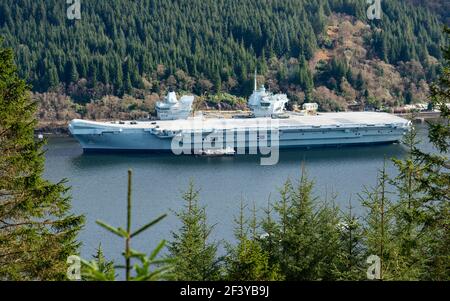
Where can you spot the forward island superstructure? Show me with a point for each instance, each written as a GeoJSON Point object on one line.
{"type": "Point", "coordinates": [172, 109]}
{"type": "Point", "coordinates": [268, 119]}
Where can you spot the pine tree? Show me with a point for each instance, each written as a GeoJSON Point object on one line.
{"type": "Point", "coordinates": [299, 244]}
{"type": "Point", "coordinates": [195, 258]}
{"type": "Point", "coordinates": [328, 241]}
{"type": "Point", "coordinates": [217, 80]}
{"type": "Point", "coordinates": [117, 76]}
{"type": "Point", "coordinates": [138, 266]}
{"type": "Point", "coordinates": [103, 72]}
{"type": "Point", "coordinates": [305, 76]}
{"type": "Point", "coordinates": [247, 261]}
{"type": "Point", "coordinates": [71, 73]}
{"type": "Point", "coordinates": [37, 233]}
{"type": "Point", "coordinates": [268, 238]}
{"type": "Point", "coordinates": [93, 75]}
{"type": "Point", "coordinates": [304, 241]}
{"type": "Point", "coordinates": [99, 269]}
{"type": "Point", "coordinates": [350, 257]}
{"type": "Point", "coordinates": [379, 233]}
{"type": "Point", "coordinates": [439, 133]}
{"type": "Point", "coordinates": [435, 178]}
{"type": "Point", "coordinates": [412, 214]}
{"type": "Point", "coordinates": [360, 84]}
{"type": "Point", "coordinates": [319, 20]}
{"type": "Point", "coordinates": [127, 86]}
{"type": "Point", "coordinates": [52, 77]}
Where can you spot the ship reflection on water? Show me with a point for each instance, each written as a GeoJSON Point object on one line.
{"type": "Point", "coordinates": [349, 154]}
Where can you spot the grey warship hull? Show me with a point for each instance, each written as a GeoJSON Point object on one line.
{"type": "Point", "coordinates": [296, 131]}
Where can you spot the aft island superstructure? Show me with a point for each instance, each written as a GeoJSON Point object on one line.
{"type": "Point", "coordinates": [268, 121]}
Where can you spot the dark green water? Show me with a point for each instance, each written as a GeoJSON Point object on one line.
{"type": "Point", "coordinates": [99, 184]}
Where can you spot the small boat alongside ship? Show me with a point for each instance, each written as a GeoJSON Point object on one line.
{"type": "Point", "coordinates": [229, 151]}
{"type": "Point", "coordinates": [223, 136]}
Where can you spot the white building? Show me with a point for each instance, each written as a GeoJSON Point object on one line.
{"type": "Point", "coordinates": [310, 108]}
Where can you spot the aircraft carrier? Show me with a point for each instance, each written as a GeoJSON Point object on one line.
{"type": "Point", "coordinates": [268, 123]}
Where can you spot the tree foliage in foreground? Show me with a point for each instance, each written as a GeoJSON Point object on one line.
{"type": "Point", "coordinates": [138, 265]}
{"type": "Point", "coordinates": [37, 232]}
{"type": "Point", "coordinates": [195, 257]}
{"type": "Point", "coordinates": [303, 238]}
{"type": "Point", "coordinates": [247, 260]}
{"type": "Point", "coordinates": [434, 179]}
{"type": "Point", "coordinates": [304, 233]}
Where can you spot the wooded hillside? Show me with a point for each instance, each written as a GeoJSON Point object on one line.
{"type": "Point", "coordinates": [300, 47]}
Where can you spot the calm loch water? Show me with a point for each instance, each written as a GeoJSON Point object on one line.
{"type": "Point", "coordinates": [99, 184]}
